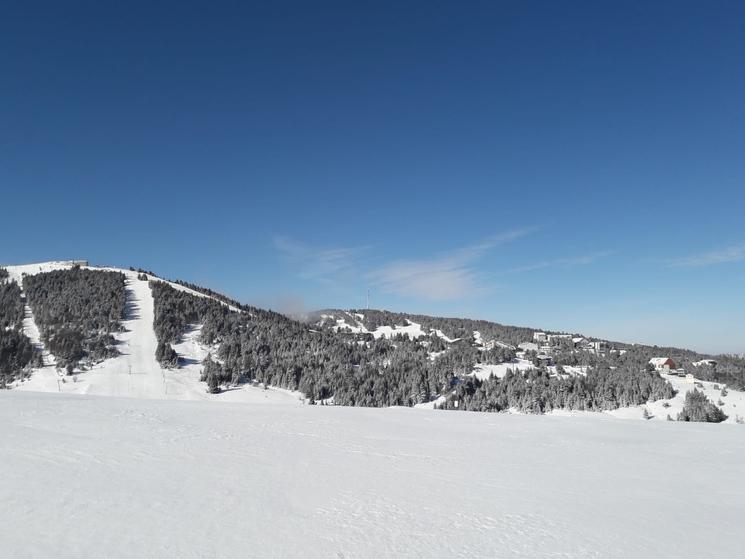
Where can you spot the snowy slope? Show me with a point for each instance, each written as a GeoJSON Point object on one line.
{"type": "Point", "coordinates": [355, 325]}
{"type": "Point", "coordinates": [483, 371]}
{"type": "Point", "coordinates": [734, 401]}
{"type": "Point", "coordinates": [135, 373]}
{"type": "Point", "coordinates": [122, 478]}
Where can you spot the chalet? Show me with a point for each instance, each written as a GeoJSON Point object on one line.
{"type": "Point", "coordinates": [528, 346]}
{"type": "Point", "coordinates": [663, 364]}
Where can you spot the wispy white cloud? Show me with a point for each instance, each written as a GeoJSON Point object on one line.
{"type": "Point", "coordinates": [319, 264]}
{"type": "Point", "coordinates": [735, 253]}
{"type": "Point", "coordinates": [450, 276]}
{"type": "Point", "coordinates": [582, 260]}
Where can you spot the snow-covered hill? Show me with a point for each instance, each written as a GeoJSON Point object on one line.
{"type": "Point", "coordinates": [121, 478]}
{"type": "Point", "coordinates": [135, 372]}
{"type": "Point", "coordinates": [352, 322]}
{"type": "Point", "coordinates": [733, 402]}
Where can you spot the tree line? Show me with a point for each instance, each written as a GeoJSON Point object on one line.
{"type": "Point", "coordinates": [537, 391]}
{"type": "Point", "coordinates": [17, 353]}
{"type": "Point", "coordinates": [358, 371]}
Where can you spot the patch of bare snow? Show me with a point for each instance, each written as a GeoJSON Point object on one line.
{"type": "Point", "coordinates": [483, 371]}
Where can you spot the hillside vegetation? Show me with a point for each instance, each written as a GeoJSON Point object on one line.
{"type": "Point", "coordinates": [353, 369]}
{"type": "Point", "coordinates": [77, 310]}
{"type": "Point", "coordinates": [16, 350]}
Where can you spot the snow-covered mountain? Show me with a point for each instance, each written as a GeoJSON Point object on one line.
{"type": "Point", "coordinates": [135, 372]}
{"type": "Point", "coordinates": [337, 357]}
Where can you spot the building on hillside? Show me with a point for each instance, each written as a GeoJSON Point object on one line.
{"type": "Point", "coordinates": [491, 344]}
{"type": "Point", "coordinates": [597, 346]}
{"type": "Point", "coordinates": [556, 337]}
{"type": "Point", "coordinates": [544, 359]}
{"type": "Point", "coordinates": [549, 342]}
{"type": "Point", "coordinates": [663, 364]}
{"type": "Point", "coordinates": [528, 346]}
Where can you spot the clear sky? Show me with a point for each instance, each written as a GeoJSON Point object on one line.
{"type": "Point", "coordinates": [576, 166]}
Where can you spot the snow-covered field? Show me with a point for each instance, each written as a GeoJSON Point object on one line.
{"type": "Point", "coordinates": [87, 476]}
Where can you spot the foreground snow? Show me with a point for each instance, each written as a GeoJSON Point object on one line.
{"type": "Point", "coordinates": [87, 476]}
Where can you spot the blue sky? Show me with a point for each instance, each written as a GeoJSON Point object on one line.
{"type": "Point", "coordinates": [568, 165]}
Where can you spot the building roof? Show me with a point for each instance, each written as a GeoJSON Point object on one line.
{"type": "Point", "coordinates": [657, 361]}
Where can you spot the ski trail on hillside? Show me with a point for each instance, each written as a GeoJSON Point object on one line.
{"type": "Point", "coordinates": [135, 372]}
{"type": "Point", "coordinates": [30, 329]}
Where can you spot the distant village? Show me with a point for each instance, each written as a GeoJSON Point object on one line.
{"type": "Point", "coordinates": [544, 346]}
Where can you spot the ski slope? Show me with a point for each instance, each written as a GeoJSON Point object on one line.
{"type": "Point", "coordinates": [135, 373]}
{"type": "Point", "coordinates": [107, 477]}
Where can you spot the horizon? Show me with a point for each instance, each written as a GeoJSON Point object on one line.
{"type": "Point", "coordinates": [575, 167]}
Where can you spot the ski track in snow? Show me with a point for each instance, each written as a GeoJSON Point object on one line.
{"type": "Point", "coordinates": [118, 477]}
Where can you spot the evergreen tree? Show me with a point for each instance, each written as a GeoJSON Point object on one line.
{"type": "Point", "coordinates": [697, 407]}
